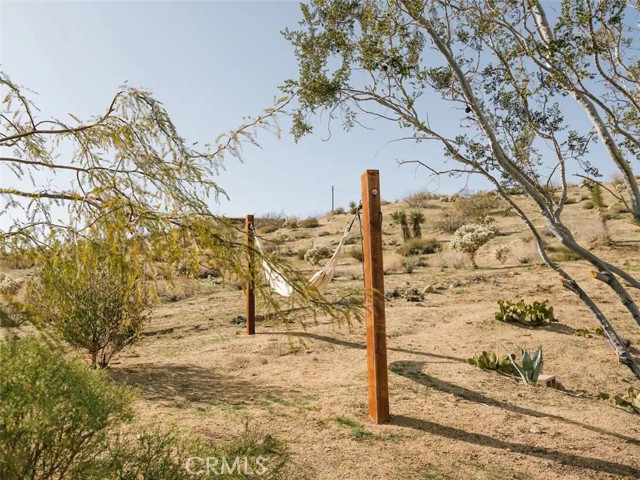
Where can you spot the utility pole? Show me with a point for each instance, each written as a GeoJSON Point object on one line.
{"type": "Point", "coordinates": [333, 209]}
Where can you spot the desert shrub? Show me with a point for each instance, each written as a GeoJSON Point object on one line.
{"type": "Point", "coordinates": [273, 219]}
{"type": "Point", "coordinates": [317, 253]}
{"type": "Point", "coordinates": [339, 211]}
{"type": "Point", "coordinates": [290, 222]}
{"type": "Point", "coordinates": [409, 266]}
{"type": "Point", "coordinates": [616, 209]}
{"type": "Point", "coordinates": [491, 361]}
{"type": "Point", "coordinates": [501, 253]}
{"type": "Point", "coordinates": [588, 205]}
{"type": "Point", "coordinates": [13, 313]}
{"type": "Point", "coordinates": [356, 252]}
{"type": "Point", "coordinates": [469, 239]}
{"type": "Point", "coordinates": [477, 208]}
{"type": "Point", "coordinates": [93, 298]}
{"type": "Point", "coordinates": [524, 258]}
{"type": "Point", "coordinates": [531, 314]}
{"type": "Point", "coordinates": [419, 199]}
{"type": "Point", "coordinates": [60, 420]}
{"type": "Point", "coordinates": [419, 246]}
{"type": "Point", "coordinates": [268, 229]}
{"type": "Point", "coordinates": [353, 208]}
{"type": "Point", "coordinates": [311, 222]}
{"type": "Point", "coordinates": [465, 210]}
{"type": "Point", "coordinates": [54, 413]}
{"type": "Point", "coordinates": [416, 218]}
{"type": "Point", "coordinates": [448, 223]}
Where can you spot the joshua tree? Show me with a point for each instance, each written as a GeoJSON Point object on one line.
{"type": "Point", "coordinates": [400, 217]}
{"type": "Point", "coordinates": [417, 218]}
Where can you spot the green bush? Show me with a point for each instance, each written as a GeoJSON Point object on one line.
{"type": "Point", "coordinates": [93, 298]}
{"type": "Point", "coordinates": [61, 420]}
{"type": "Point", "coordinates": [533, 315]}
{"type": "Point", "coordinates": [419, 246]}
{"type": "Point", "coordinates": [54, 413]}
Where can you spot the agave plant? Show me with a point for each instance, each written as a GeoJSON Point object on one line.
{"type": "Point", "coordinates": [531, 366]}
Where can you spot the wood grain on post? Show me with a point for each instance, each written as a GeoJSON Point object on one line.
{"type": "Point", "coordinates": [374, 293]}
{"type": "Point", "coordinates": [250, 312]}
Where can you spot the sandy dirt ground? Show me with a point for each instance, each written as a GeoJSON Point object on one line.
{"type": "Point", "coordinates": [307, 384]}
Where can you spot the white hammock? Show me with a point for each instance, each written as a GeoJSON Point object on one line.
{"type": "Point", "coordinates": [319, 280]}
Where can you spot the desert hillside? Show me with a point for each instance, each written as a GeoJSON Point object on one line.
{"type": "Point", "coordinates": [305, 383]}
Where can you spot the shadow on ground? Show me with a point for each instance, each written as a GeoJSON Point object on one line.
{"type": "Point", "coordinates": [413, 371]}
{"type": "Point", "coordinates": [362, 346]}
{"type": "Point", "coordinates": [190, 383]}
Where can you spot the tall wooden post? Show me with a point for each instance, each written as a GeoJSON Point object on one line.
{"type": "Point", "coordinates": [374, 293]}
{"type": "Point", "coordinates": [251, 299]}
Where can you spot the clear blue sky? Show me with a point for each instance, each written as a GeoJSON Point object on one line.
{"type": "Point", "coordinates": [210, 63]}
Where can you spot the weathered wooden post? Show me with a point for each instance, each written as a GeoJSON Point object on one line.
{"type": "Point", "coordinates": [250, 311]}
{"type": "Point", "coordinates": [374, 297]}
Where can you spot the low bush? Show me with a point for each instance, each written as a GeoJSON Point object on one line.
{"type": "Point", "coordinates": [469, 239]}
{"type": "Point", "coordinates": [419, 199]}
{"type": "Point", "coordinates": [311, 222]}
{"type": "Point", "coordinates": [94, 299]}
{"type": "Point", "coordinates": [61, 420]}
{"type": "Point", "coordinates": [356, 252]}
{"type": "Point", "coordinates": [291, 222]}
{"type": "Point", "coordinates": [317, 253]}
{"type": "Point", "coordinates": [268, 229]}
{"type": "Point", "coordinates": [55, 413]}
{"type": "Point", "coordinates": [419, 246]}
{"type": "Point", "coordinates": [274, 219]}
{"type": "Point", "coordinates": [533, 315]}
{"type": "Point", "coordinates": [501, 253]}
{"type": "Point", "coordinates": [448, 223]}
